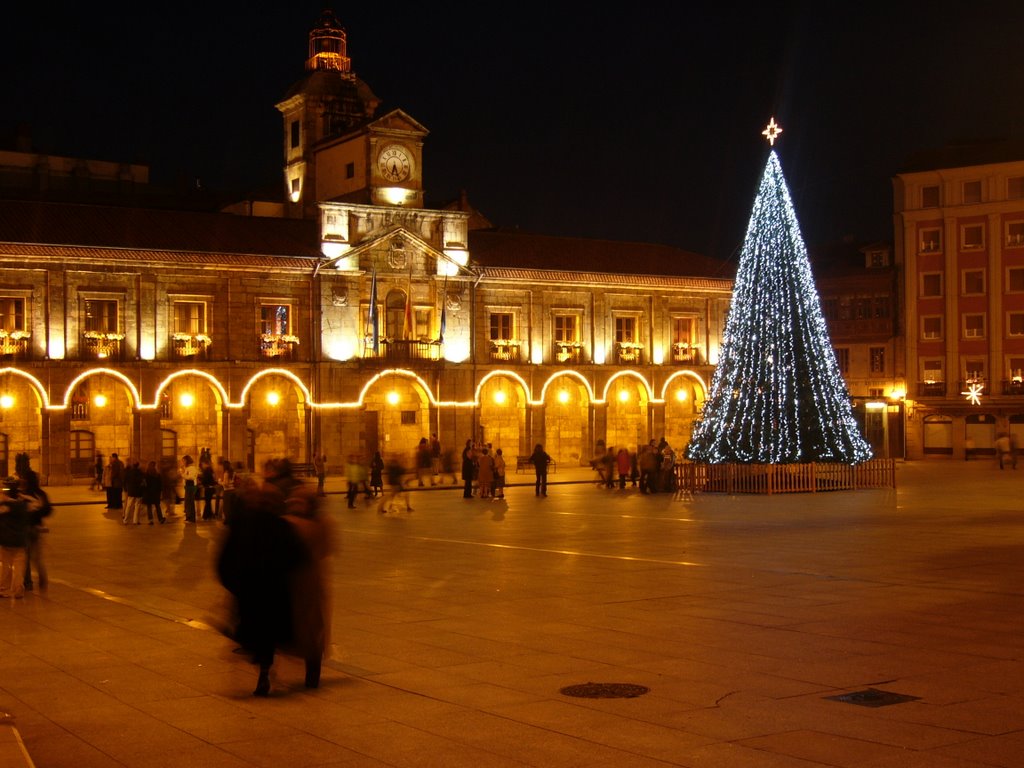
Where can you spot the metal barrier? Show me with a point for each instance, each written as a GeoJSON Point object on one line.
{"type": "Point", "coordinates": [784, 478]}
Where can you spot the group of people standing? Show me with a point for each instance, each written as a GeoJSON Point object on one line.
{"type": "Point", "coordinates": [483, 465]}
{"type": "Point", "coordinates": [651, 468]}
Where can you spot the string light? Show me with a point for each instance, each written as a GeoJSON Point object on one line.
{"type": "Point", "coordinates": [777, 395]}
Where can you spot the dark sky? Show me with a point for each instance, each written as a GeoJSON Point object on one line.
{"type": "Point", "coordinates": [641, 122]}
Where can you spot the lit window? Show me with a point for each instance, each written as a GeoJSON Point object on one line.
{"type": "Point", "coordinates": [275, 319]}
{"type": "Point", "coordinates": [931, 327]}
{"type": "Point", "coordinates": [190, 317]}
{"type": "Point", "coordinates": [625, 330]}
{"type": "Point", "coordinates": [877, 355]}
{"type": "Point", "coordinates": [566, 328]}
{"type": "Point", "coordinates": [1015, 234]}
{"type": "Point", "coordinates": [501, 326]}
{"type": "Point", "coordinates": [12, 314]}
{"type": "Point", "coordinates": [1015, 324]}
{"type": "Point", "coordinates": [932, 371]}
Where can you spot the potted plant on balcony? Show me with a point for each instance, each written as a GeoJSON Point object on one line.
{"type": "Point", "coordinates": [9, 341]}
{"type": "Point", "coordinates": [629, 351]}
{"type": "Point", "coordinates": [188, 344]}
{"type": "Point", "coordinates": [278, 343]}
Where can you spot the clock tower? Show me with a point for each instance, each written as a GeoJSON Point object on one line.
{"type": "Point", "coordinates": [337, 147]}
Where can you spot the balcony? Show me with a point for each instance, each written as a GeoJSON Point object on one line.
{"type": "Point", "coordinates": [1013, 387]}
{"type": "Point", "coordinates": [102, 345]}
{"type": "Point", "coordinates": [685, 353]}
{"type": "Point", "coordinates": [629, 353]}
{"type": "Point", "coordinates": [568, 352]}
{"type": "Point", "coordinates": [403, 350]}
{"type": "Point", "coordinates": [931, 389]}
{"type": "Point", "coordinates": [14, 345]}
{"type": "Point", "coordinates": [278, 346]}
{"type": "Point", "coordinates": [506, 351]}
{"type": "Point", "coordinates": [190, 346]}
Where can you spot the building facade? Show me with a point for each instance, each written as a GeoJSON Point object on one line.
{"type": "Point", "coordinates": [343, 318]}
{"type": "Point", "coordinates": [959, 223]}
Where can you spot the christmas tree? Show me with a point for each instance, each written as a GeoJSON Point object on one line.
{"type": "Point", "coordinates": [777, 395]}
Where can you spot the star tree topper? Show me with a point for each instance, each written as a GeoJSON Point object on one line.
{"type": "Point", "coordinates": [772, 132]}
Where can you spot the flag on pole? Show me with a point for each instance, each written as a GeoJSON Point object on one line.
{"type": "Point", "coordinates": [371, 317]}
{"type": "Point", "coordinates": [444, 306]}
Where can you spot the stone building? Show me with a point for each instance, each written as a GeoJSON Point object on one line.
{"type": "Point", "coordinates": [341, 318]}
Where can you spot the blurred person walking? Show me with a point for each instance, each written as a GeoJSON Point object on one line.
{"type": "Point", "coordinates": [37, 502]}
{"type": "Point", "coordinates": [14, 524]}
{"type": "Point", "coordinates": [396, 488]}
{"type": "Point", "coordinates": [152, 492]}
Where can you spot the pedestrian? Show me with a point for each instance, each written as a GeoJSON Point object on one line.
{"type": "Point", "coordinates": [113, 481]}
{"type": "Point", "coordinates": [97, 480]}
{"type": "Point", "coordinates": [227, 481]}
{"type": "Point", "coordinates": [133, 480]}
{"type": "Point", "coordinates": [320, 468]}
{"type": "Point", "coordinates": [448, 466]}
{"type": "Point", "coordinates": [424, 462]}
{"type": "Point", "coordinates": [190, 474]}
{"type": "Point", "coordinates": [485, 473]}
{"type": "Point", "coordinates": [1004, 450]}
{"type": "Point", "coordinates": [355, 476]}
{"type": "Point", "coordinates": [14, 524]}
{"type": "Point", "coordinates": [310, 595]}
{"type": "Point", "coordinates": [39, 508]}
{"type": "Point", "coordinates": [540, 460]}
{"type": "Point", "coordinates": [377, 474]}
{"type": "Point", "coordinates": [624, 466]}
{"type": "Point", "coordinates": [169, 477]}
{"type": "Point", "coordinates": [395, 472]}
{"type": "Point", "coordinates": [499, 474]}
{"type": "Point", "coordinates": [468, 469]}
{"type": "Point", "coordinates": [152, 492]}
{"type": "Point", "coordinates": [257, 561]}
{"type": "Point", "coordinates": [208, 484]}
{"type": "Point", "coordinates": [435, 459]}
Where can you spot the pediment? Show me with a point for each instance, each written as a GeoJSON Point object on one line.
{"type": "Point", "coordinates": [393, 250]}
{"type": "Point", "coordinates": [397, 121]}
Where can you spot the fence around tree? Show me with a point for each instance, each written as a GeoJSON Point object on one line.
{"type": "Point", "coordinates": [785, 478]}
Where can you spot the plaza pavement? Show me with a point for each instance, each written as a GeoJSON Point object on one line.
{"type": "Point", "coordinates": [765, 628]}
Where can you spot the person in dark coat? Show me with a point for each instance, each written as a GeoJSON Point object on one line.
{"type": "Point", "coordinates": [540, 460]}
{"type": "Point", "coordinates": [256, 564]}
{"type": "Point", "coordinates": [14, 524]}
{"type": "Point", "coordinates": [152, 492]}
{"type": "Point", "coordinates": [39, 508]}
{"type": "Point", "coordinates": [468, 469]}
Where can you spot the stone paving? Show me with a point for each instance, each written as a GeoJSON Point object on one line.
{"type": "Point", "coordinates": [769, 631]}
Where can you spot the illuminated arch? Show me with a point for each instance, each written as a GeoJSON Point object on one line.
{"type": "Point", "coordinates": [632, 374]}
{"type": "Point", "coordinates": [569, 373]}
{"type": "Point", "coordinates": [69, 392]}
{"type": "Point", "coordinates": [214, 382]}
{"type": "Point", "coordinates": [416, 379]}
{"type": "Point", "coordinates": [284, 373]}
{"type": "Point", "coordinates": [507, 374]}
{"type": "Point", "coordinates": [44, 400]}
{"type": "Point", "coordinates": [679, 374]}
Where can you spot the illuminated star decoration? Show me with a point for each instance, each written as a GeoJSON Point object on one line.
{"type": "Point", "coordinates": [973, 393]}
{"type": "Point", "coordinates": [772, 132]}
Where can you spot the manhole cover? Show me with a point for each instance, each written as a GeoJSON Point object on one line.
{"type": "Point", "coordinates": [605, 690]}
{"type": "Point", "coordinates": [872, 697]}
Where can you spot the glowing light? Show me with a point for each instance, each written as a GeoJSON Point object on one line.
{"type": "Point", "coordinates": [100, 401]}
{"type": "Point", "coordinates": [499, 397]}
{"type": "Point", "coordinates": [898, 394]}
{"type": "Point", "coordinates": [456, 350]}
{"type": "Point", "coordinates": [777, 395]}
{"type": "Point", "coordinates": [393, 398]}
{"type": "Point", "coordinates": [536, 355]}
{"type": "Point", "coordinates": [147, 349]}
{"type": "Point", "coordinates": [623, 396]}
{"type": "Point", "coordinates": [681, 395]}
{"type": "Point", "coordinates": [658, 356]}
{"type": "Point", "coordinates": [6, 401]}
{"type": "Point", "coordinates": [273, 398]}
{"type": "Point", "coordinates": [56, 350]}
{"type": "Point", "coordinates": [563, 396]}
{"type": "Point", "coordinates": [394, 195]}
{"type": "Point", "coordinates": [599, 355]}
{"type": "Point", "coordinates": [341, 349]}
{"type": "Point", "coordinates": [772, 132]}
{"type": "Point", "coordinates": [332, 249]}
{"type": "Point", "coordinates": [974, 392]}
{"type": "Point", "coordinates": [187, 399]}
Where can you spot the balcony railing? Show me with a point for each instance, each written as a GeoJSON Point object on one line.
{"type": "Point", "coordinates": [506, 351]}
{"type": "Point", "coordinates": [14, 345]}
{"type": "Point", "coordinates": [190, 346]}
{"type": "Point", "coordinates": [278, 346]}
{"type": "Point", "coordinates": [627, 353]}
{"type": "Point", "coordinates": [568, 352]}
{"type": "Point", "coordinates": [102, 345]}
{"type": "Point", "coordinates": [1013, 387]}
{"type": "Point", "coordinates": [402, 350]}
{"type": "Point", "coordinates": [931, 389]}
{"type": "Point", "coordinates": [685, 353]}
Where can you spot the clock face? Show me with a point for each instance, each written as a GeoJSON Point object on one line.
{"type": "Point", "coordinates": [394, 163]}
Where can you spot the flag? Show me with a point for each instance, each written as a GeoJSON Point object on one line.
{"type": "Point", "coordinates": [371, 317]}
{"type": "Point", "coordinates": [407, 325]}
{"type": "Point", "coordinates": [444, 305]}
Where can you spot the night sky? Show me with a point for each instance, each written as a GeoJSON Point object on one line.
{"type": "Point", "coordinates": [641, 123]}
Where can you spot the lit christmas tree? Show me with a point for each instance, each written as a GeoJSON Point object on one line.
{"type": "Point", "coordinates": [777, 396]}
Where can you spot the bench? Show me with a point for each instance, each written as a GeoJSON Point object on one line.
{"type": "Point", "coordinates": [524, 463]}
{"type": "Point", "coordinates": [303, 470]}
